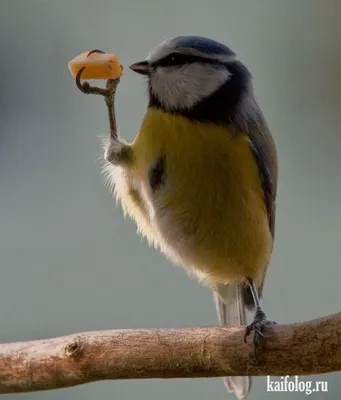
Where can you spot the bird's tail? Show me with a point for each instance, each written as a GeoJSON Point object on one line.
{"type": "Point", "coordinates": [231, 311]}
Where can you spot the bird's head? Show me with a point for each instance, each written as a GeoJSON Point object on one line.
{"type": "Point", "coordinates": [185, 70]}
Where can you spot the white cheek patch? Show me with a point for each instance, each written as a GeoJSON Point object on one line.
{"type": "Point", "coordinates": [183, 87]}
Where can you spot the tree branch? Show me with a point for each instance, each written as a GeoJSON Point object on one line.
{"type": "Point", "coordinates": [299, 349]}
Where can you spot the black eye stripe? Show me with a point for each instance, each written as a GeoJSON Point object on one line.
{"type": "Point", "coordinates": [181, 59]}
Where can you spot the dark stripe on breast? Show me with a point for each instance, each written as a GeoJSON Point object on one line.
{"type": "Point", "coordinates": [157, 174]}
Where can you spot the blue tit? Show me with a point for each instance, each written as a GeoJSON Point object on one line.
{"type": "Point", "coordinates": [200, 177]}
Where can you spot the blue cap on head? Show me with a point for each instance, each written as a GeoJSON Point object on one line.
{"type": "Point", "coordinates": [202, 44]}
{"type": "Point", "coordinates": [192, 45]}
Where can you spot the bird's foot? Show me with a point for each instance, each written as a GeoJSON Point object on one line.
{"type": "Point", "coordinates": [258, 325]}
{"type": "Point", "coordinates": [108, 93]}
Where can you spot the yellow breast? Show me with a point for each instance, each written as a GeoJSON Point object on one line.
{"type": "Point", "coordinates": [210, 214]}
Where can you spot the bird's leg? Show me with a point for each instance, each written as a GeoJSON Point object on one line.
{"type": "Point", "coordinates": [260, 320]}
{"type": "Point", "coordinates": [108, 93]}
{"type": "Point", "coordinates": [116, 150]}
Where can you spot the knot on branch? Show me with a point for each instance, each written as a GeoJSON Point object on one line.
{"type": "Point", "coordinates": [75, 349]}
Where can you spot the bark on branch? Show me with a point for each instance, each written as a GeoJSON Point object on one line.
{"type": "Point", "coordinates": [299, 349]}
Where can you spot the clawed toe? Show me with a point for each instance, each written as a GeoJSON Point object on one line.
{"type": "Point", "coordinates": [95, 51]}
{"type": "Point", "coordinates": [258, 325]}
{"type": "Point", "coordinates": [86, 88]}
{"type": "Point", "coordinates": [108, 93]}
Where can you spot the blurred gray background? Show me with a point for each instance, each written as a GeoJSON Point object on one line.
{"type": "Point", "coordinates": [69, 260]}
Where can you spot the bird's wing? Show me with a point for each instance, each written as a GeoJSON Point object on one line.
{"type": "Point", "coordinates": [264, 150]}
{"type": "Point", "coordinates": [252, 122]}
{"type": "Point", "coordinates": [265, 153]}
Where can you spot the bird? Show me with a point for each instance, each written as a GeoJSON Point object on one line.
{"type": "Point", "coordinates": [200, 177]}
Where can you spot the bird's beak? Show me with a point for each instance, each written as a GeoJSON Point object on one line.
{"type": "Point", "coordinates": [141, 67]}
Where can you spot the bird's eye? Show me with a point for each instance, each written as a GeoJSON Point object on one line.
{"type": "Point", "coordinates": [175, 59]}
